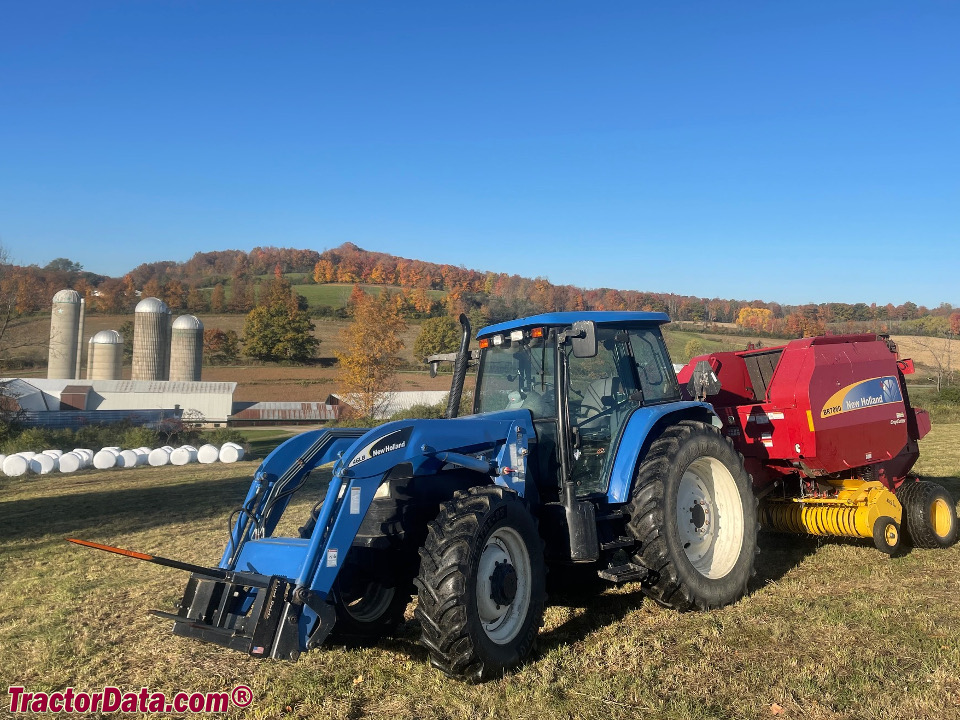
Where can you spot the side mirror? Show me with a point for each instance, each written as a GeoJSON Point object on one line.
{"type": "Point", "coordinates": [584, 339]}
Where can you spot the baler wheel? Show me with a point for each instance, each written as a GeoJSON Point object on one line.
{"type": "Point", "coordinates": [694, 516]}
{"type": "Point", "coordinates": [929, 514]}
{"type": "Point", "coordinates": [886, 535]}
{"type": "Point", "coordinates": [482, 584]}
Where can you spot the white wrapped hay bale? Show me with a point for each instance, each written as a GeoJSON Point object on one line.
{"type": "Point", "coordinates": [28, 454]}
{"type": "Point", "coordinates": [183, 455]}
{"type": "Point", "coordinates": [16, 465]}
{"type": "Point", "coordinates": [208, 454]}
{"type": "Point", "coordinates": [86, 456]}
{"type": "Point", "coordinates": [42, 464]}
{"type": "Point", "coordinates": [128, 458]}
{"type": "Point", "coordinates": [53, 453]}
{"type": "Point", "coordinates": [106, 459]}
{"type": "Point", "coordinates": [70, 462]}
{"type": "Point", "coordinates": [231, 452]}
{"type": "Point", "coordinates": [142, 455]}
{"type": "Point", "coordinates": [159, 457]}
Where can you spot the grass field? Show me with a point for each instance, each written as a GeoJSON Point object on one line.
{"type": "Point", "coordinates": [830, 629]}
{"type": "Point", "coordinates": [336, 295]}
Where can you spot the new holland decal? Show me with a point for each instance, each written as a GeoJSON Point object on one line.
{"type": "Point", "coordinates": [388, 443]}
{"type": "Point", "coordinates": [863, 394]}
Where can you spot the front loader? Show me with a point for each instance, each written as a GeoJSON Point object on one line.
{"type": "Point", "coordinates": [582, 449]}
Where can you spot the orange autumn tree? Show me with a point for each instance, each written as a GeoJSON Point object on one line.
{"type": "Point", "coordinates": [368, 359]}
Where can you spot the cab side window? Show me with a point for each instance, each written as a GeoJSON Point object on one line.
{"type": "Point", "coordinates": [657, 378]}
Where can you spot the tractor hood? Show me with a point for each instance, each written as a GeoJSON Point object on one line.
{"type": "Point", "coordinates": [425, 444]}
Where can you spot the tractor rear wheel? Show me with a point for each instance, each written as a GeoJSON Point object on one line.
{"type": "Point", "coordinates": [929, 515]}
{"type": "Point", "coordinates": [693, 515]}
{"type": "Point", "coordinates": [481, 584]}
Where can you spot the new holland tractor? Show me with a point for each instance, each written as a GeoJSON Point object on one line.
{"type": "Point", "coordinates": [582, 449]}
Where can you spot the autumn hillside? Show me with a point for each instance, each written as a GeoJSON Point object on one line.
{"type": "Point", "coordinates": [222, 287]}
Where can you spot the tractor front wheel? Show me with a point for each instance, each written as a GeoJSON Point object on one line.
{"type": "Point", "coordinates": [481, 584]}
{"type": "Point", "coordinates": [693, 515]}
{"type": "Point", "coordinates": [368, 605]}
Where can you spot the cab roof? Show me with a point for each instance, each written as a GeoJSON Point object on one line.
{"type": "Point", "coordinates": [568, 318]}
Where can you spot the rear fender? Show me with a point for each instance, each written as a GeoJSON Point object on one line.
{"type": "Point", "coordinates": [643, 427]}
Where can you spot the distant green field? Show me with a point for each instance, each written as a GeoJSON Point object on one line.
{"type": "Point", "coordinates": [337, 294]}
{"type": "Point", "coordinates": [677, 343]}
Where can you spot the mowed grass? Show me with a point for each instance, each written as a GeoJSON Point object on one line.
{"type": "Point", "coordinates": [830, 628]}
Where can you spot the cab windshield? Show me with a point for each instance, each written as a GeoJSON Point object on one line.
{"type": "Point", "coordinates": [518, 375]}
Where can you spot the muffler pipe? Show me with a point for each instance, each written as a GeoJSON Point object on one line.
{"type": "Point", "coordinates": [459, 370]}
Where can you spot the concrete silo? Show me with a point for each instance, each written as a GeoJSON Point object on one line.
{"type": "Point", "coordinates": [151, 340]}
{"type": "Point", "coordinates": [105, 356]}
{"type": "Point", "coordinates": [186, 348]}
{"type": "Point", "coordinates": [65, 335]}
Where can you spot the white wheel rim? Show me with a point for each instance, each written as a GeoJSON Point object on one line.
{"type": "Point", "coordinates": [502, 622]}
{"type": "Point", "coordinates": [710, 517]}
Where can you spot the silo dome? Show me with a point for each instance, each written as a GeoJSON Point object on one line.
{"type": "Point", "coordinates": [151, 305]}
{"type": "Point", "coordinates": [151, 340]}
{"type": "Point", "coordinates": [107, 337]}
{"type": "Point", "coordinates": [67, 296]}
{"type": "Point", "coordinates": [186, 349]}
{"type": "Point", "coordinates": [187, 322]}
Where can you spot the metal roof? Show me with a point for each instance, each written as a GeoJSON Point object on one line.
{"type": "Point", "coordinates": [55, 386]}
{"type": "Point", "coordinates": [568, 318]}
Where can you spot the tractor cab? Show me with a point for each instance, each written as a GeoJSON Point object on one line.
{"type": "Point", "coordinates": [581, 378]}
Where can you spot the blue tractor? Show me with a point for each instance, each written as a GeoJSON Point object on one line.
{"type": "Point", "coordinates": [582, 450]}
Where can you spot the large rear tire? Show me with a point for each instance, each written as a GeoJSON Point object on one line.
{"type": "Point", "coordinates": [481, 584]}
{"type": "Point", "coordinates": [693, 514]}
{"type": "Point", "coordinates": [929, 515]}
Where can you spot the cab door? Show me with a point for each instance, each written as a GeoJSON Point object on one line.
{"type": "Point", "coordinates": [599, 395]}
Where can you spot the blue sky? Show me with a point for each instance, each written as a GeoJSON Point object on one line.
{"type": "Point", "coordinates": [791, 152]}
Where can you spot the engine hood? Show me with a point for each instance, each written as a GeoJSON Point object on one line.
{"type": "Point", "coordinates": [417, 441]}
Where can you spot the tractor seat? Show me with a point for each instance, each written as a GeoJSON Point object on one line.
{"type": "Point", "coordinates": [589, 416]}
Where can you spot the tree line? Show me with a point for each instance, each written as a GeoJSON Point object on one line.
{"type": "Point", "coordinates": [231, 281]}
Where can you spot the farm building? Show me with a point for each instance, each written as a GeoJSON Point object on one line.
{"type": "Point", "coordinates": [397, 401]}
{"type": "Point", "coordinates": [206, 402]}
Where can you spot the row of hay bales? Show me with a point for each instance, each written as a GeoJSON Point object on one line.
{"type": "Point", "coordinates": [106, 458]}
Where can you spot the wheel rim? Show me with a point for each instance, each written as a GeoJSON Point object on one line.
{"type": "Point", "coordinates": [891, 535]}
{"type": "Point", "coordinates": [941, 516]}
{"type": "Point", "coordinates": [710, 517]}
{"type": "Point", "coordinates": [503, 585]}
{"type": "Point", "coordinates": [367, 602]}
